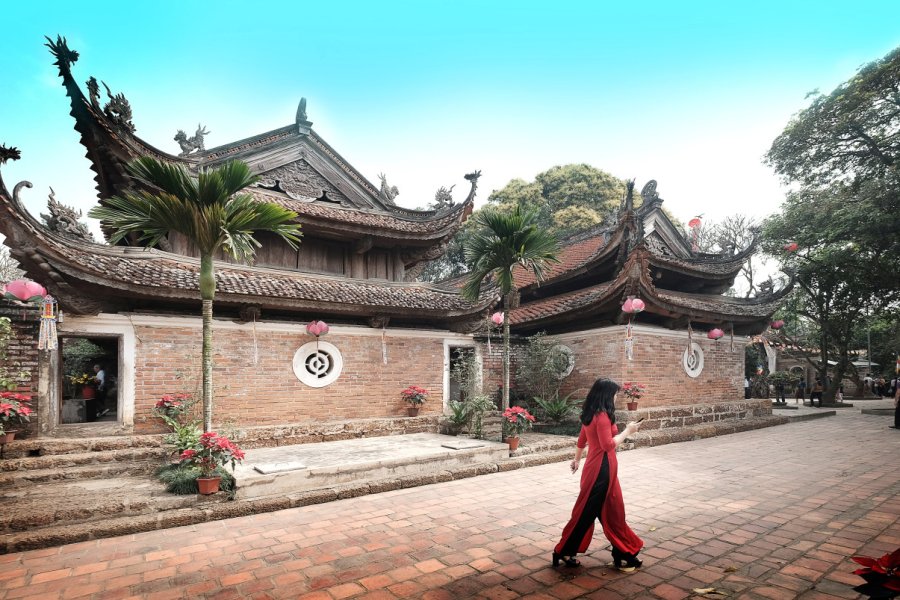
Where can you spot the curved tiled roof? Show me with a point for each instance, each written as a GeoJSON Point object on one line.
{"type": "Point", "coordinates": [379, 220]}
{"type": "Point", "coordinates": [575, 252]}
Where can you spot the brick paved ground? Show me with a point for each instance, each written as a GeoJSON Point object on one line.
{"type": "Point", "coordinates": [767, 514]}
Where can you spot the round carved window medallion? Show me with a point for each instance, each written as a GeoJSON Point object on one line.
{"type": "Point", "coordinates": [570, 359]}
{"type": "Point", "coordinates": [692, 360]}
{"type": "Point", "coordinates": [318, 365]}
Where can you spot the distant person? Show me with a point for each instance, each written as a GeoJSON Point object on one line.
{"type": "Point", "coordinates": [801, 391]}
{"type": "Point", "coordinates": [816, 392]}
{"type": "Point", "coordinates": [746, 388]}
{"type": "Point", "coordinates": [897, 405]}
{"type": "Point", "coordinates": [600, 496]}
{"type": "Point", "coordinates": [100, 380]}
{"type": "Point", "coordinates": [867, 384]}
{"type": "Point", "coordinates": [779, 392]}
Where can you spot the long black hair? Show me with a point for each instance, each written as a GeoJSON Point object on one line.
{"type": "Point", "coordinates": [600, 398]}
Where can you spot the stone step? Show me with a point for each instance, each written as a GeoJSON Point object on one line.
{"type": "Point", "coordinates": [28, 476]}
{"type": "Point", "coordinates": [74, 502]}
{"type": "Point", "coordinates": [60, 461]}
{"type": "Point", "coordinates": [23, 448]}
{"type": "Point", "coordinates": [289, 469]}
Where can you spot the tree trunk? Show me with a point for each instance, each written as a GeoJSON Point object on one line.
{"type": "Point", "coordinates": [207, 293]}
{"type": "Point", "coordinates": [505, 401]}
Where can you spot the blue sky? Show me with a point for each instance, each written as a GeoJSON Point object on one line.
{"type": "Point", "coordinates": [691, 93]}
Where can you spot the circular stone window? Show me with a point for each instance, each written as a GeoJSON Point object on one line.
{"type": "Point", "coordinates": [570, 359]}
{"type": "Point", "coordinates": [318, 364]}
{"type": "Point", "coordinates": [693, 360]}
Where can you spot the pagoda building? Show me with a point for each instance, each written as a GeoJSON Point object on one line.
{"type": "Point", "coordinates": [581, 302]}
{"type": "Point", "coordinates": [356, 270]}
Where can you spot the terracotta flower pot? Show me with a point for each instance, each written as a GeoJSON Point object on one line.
{"type": "Point", "coordinates": [513, 443]}
{"type": "Point", "coordinates": [7, 437]}
{"type": "Point", "coordinates": [412, 411]}
{"type": "Point", "coordinates": [632, 405]}
{"type": "Point", "coordinates": [208, 485]}
{"type": "Point", "coordinates": [88, 392]}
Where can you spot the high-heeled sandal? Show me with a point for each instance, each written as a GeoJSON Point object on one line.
{"type": "Point", "coordinates": [568, 561]}
{"type": "Point", "coordinates": [625, 562]}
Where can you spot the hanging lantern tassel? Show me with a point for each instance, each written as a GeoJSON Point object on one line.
{"type": "Point", "coordinates": [47, 333]}
{"type": "Point", "coordinates": [384, 344]}
{"type": "Point", "coordinates": [732, 339]}
{"type": "Point", "coordinates": [629, 341]}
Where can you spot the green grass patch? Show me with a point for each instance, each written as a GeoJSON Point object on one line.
{"type": "Point", "coordinates": [182, 480]}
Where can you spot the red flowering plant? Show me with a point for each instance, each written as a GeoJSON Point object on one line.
{"type": "Point", "coordinates": [516, 420]}
{"type": "Point", "coordinates": [882, 575]}
{"type": "Point", "coordinates": [414, 394]}
{"type": "Point", "coordinates": [14, 409]}
{"type": "Point", "coordinates": [212, 452]}
{"type": "Point", "coordinates": [172, 405]}
{"type": "Point", "coordinates": [633, 391]}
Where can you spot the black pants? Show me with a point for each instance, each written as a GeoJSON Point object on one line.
{"type": "Point", "coordinates": [897, 416]}
{"type": "Point", "coordinates": [592, 509]}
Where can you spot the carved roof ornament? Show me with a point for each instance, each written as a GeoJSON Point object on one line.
{"type": "Point", "coordinates": [64, 220]}
{"type": "Point", "coordinates": [387, 192]}
{"type": "Point", "coordinates": [303, 123]}
{"type": "Point", "coordinates": [9, 153]}
{"type": "Point", "coordinates": [93, 91]}
{"type": "Point", "coordinates": [443, 198]}
{"type": "Point", "coordinates": [193, 143]}
{"type": "Point", "coordinates": [118, 110]}
{"type": "Point", "coordinates": [301, 112]}
{"type": "Point", "coordinates": [65, 57]}
{"type": "Point", "coordinates": [650, 195]}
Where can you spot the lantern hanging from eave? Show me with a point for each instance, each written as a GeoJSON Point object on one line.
{"type": "Point", "coordinates": [631, 306]}
{"type": "Point", "coordinates": [695, 225]}
{"type": "Point", "coordinates": [776, 325]}
{"type": "Point", "coordinates": [317, 328]}
{"type": "Point", "coordinates": [791, 246]}
{"type": "Point", "coordinates": [497, 318]}
{"type": "Point", "coordinates": [715, 334]}
{"type": "Point", "coordinates": [47, 339]}
{"type": "Point", "coordinates": [24, 290]}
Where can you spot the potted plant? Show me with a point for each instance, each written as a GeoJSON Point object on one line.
{"type": "Point", "coordinates": [211, 453]}
{"type": "Point", "coordinates": [633, 392]}
{"type": "Point", "coordinates": [516, 420]}
{"type": "Point", "coordinates": [84, 386]}
{"type": "Point", "coordinates": [14, 410]}
{"type": "Point", "coordinates": [414, 396]}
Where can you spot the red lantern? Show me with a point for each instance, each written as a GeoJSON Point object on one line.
{"type": "Point", "coordinates": [317, 328]}
{"type": "Point", "coordinates": [497, 318]}
{"type": "Point", "coordinates": [791, 246]}
{"type": "Point", "coordinates": [695, 222]}
{"type": "Point", "coordinates": [628, 306]}
{"type": "Point", "coordinates": [25, 290]}
{"type": "Point", "coordinates": [637, 305]}
{"type": "Point", "coordinates": [776, 324]}
{"type": "Point", "coordinates": [715, 334]}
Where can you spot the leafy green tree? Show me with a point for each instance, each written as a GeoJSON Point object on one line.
{"type": "Point", "coordinates": [501, 242]}
{"type": "Point", "coordinates": [565, 199]}
{"type": "Point", "coordinates": [210, 212]}
{"type": "Point", "coordinates": [839, 281]}
{"type": "Point", "coordinates": [851, 134]}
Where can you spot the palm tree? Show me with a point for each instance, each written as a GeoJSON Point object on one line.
{"type": "Point", "coordinates": [500, 243]}
{"type": "Point", "coordinates": [210, 212]}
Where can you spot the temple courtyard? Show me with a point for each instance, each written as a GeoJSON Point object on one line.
{"type": "Point", "coordinates": [771, 513]}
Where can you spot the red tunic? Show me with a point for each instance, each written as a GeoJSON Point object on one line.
{"type": "Point", "coordinates": [598, 437]}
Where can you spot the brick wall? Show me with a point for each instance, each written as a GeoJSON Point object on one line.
{"type": "Point", "coordinates": [23, 355]}
{"type": "Point", "coordinates": [657, 363]}
{"type": "Point", "coordinates": [268, 392]}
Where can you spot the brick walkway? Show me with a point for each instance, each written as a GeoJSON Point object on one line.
{"type": "Point", "coordinates": [765, 514]}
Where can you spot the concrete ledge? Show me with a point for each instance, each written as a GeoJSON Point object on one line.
{"type": "Point", "coordinates": [886, 412]}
